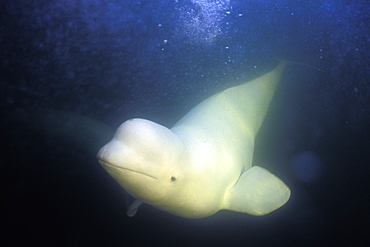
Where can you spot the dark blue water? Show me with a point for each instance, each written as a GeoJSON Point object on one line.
{"type": "Point", "coordinates": [90, 65]}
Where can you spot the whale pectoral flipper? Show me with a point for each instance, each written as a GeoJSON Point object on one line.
{"type": "Point", "coordinates": [257, 192]}
{"type": "Point", "coordinates": [132, 209]}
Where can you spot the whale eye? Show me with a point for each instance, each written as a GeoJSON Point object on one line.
{"type": "Point", "coordinates": [173, 179]}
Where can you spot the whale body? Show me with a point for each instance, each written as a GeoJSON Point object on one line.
{"type": "Point", "coordinates": [203, 164]}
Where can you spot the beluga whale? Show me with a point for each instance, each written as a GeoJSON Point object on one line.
{"type": "Point", "coordinates": [203, 164]}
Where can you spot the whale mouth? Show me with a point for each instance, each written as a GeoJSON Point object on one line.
{"type": "Point", "coordinates": [105, 163]}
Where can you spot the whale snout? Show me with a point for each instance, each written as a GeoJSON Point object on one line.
{"type": "Point", "coordinates": [101, 155]}
{"type": "Point", "coordinates": [105, 157]}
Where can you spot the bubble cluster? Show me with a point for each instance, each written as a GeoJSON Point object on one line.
{"type": "Point", "coordinates": [201, 21]}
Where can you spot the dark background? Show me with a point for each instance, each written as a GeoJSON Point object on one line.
{"type": "Point", "coordinates": [72, 71]}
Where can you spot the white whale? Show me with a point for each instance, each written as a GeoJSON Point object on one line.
{"type": "Point", "coordinates": [203, 164]}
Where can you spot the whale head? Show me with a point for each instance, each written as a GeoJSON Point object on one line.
{"type": "Point", "coordinates": [144, 159]}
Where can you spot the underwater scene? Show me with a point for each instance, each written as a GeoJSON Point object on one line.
{"type": "Point", "coordinates": [185, 123]}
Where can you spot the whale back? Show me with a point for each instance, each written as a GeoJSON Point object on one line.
{"type": "Point", "coordinates": [233, 117]}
